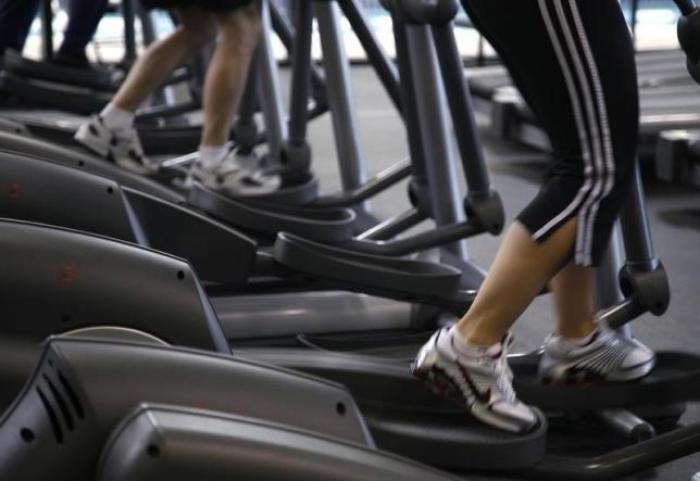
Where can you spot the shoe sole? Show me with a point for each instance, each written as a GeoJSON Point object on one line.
{"type": "Point", "coordinates": [436, 379]}
{"type": "Point", "coordinates": [634, 373]}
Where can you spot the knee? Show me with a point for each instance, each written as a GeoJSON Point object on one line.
{"type": "Point", "coordinates": [240, 28]}
{"type": "Point", "coordinates": [198, 28]}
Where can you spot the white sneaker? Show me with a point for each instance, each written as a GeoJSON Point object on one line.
{"type": "Point", "coordinates": [483, 383]}
{"type": "Point", "coordinates": [607, 356]}
{"type": "Point", "coordinates": [249, 174]}
{"type": "Point", "coordinates": [123, 147]}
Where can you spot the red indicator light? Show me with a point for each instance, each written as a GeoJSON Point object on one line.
{"type": "Point", "coordinates": [68, 274]}
{"type": "Point", "coordinates": [15, 191]}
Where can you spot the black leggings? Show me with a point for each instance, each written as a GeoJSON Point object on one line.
{"type": "Point", "coordinates": [573, 62]}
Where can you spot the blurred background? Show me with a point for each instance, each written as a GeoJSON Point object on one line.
{"type": "Point", "coordinates": [653, 23]}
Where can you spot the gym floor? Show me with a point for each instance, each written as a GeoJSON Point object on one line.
{"type": "Point", "coordinates": [515, 173]}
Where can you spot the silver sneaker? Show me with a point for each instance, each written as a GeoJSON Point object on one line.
{"type": "Point", "coordinates": [483, 383]}
{"type": "Point", "coordinates": [123, 147]}
{"type": "Point", "coordinates": [607, 357]}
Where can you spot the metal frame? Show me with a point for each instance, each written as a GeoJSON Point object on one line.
{"type": "Point", "coordinates": [269, 92]}
{"type": "Point", "coordinates": [47, 47]}
{"type": "Point", "coordinates": [422, 95]}
{"type": "Point", "coordinates": [339, 95]}
{"type": "Point", "coordinates": [129, 14]}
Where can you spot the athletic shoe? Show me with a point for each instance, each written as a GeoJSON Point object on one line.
{"type": "Point", "coordinates": [607, 356]}
{"type": "Point", "coordinates": [239, 175]}
{"type": "Point", "coordinates": [72, 60]}
{"type": "Point", "coordinates": [122, 147]}
{"type": "Point", "coordinates": [483, 383]}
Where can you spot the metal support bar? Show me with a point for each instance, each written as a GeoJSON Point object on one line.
{"type": "Point", "coordinates": [269, 92]}
{"type": "Point", "coordinates": [129, 15]}
{"type": "Point", "coordinates": [431, 106]}
{"type": "Point", "coordinates": [437, 237]}
{"type": "Point", "coordinates": [480, 51]}
{"type": "Point", "coordinates": [288, 314]}
{"type": "Point", "coordinates": [627, 424]}
{"type": "Point", "coordinates": [635, 227]}
{"type": "Point", "coordinates": [608, 291]}
{"type": "Point", "coordinates": [410, 111]}
{"type": "Point", "coordinates": [286, 34]}
{"type": "Point", "coordinates": [394, 226]}
{"type": "Point", "coordinates": [148, 29]}
{"type": "Point", "coordinates": [338, 92]}
{"type": "Point", "coordinates": [47, 48]}
{"type": "Point", "coordinates": [644, 281]}
{"type": "Point", "coordinates": [385, 69]}
{"type": "Point", "coordinates": [462, 110]}
{"type": "Point", "coordinates": [301, 65]}
{"type": "Point", "coordinates": [244, 127]}
{"type": "Point", "coordinates": [382, 181]}
{"type": "Point", "coordinates": [164, 110]}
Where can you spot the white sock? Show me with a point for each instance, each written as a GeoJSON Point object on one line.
{"type": "Point", "coordinates": [466, 348]}
{"type": "Point", "coordinates": [211, 156]}
{"type": "Point", "coordinates": [567, 344]}
{"type": "Point", "coordinates": [115, 118]}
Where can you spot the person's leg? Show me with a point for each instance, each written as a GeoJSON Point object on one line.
{"type": "Point", "coordinates": [577, 69]}
{"type": "Point", "coordinates": [16, 17]}
{"type": "Point", "coordinates": [158, 62]}
{"type": "Point", "coordinates": [574, 301]}
{"type": "Point", "coordinates": [111, 133]}
{"type": "Point", "coordinates": [583, 91]}
{"type": "Point", "coordinates": [226, 78]}
{"type": "Point", "coordinates": [518, 274]}
{"type": "Point", "coordinates": [582, 349]}
{"type": "Point", "coordinates": [83, 19]}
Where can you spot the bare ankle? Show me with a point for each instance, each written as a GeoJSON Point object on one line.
{"type": "Point", "coordinates": [576, 331]}
{"type": "Point", "coordinates": [478, 335]}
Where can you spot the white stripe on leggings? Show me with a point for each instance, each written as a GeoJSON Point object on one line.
{"type": "Point", "coordinates": [605, 127]}
{"type": "Point", "coordinates": [578, 117]}
{"type": "Point", "coordinates": [582, 255]}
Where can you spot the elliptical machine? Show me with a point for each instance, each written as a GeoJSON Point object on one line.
{"type": "Point", "coordinates": [689, 39]}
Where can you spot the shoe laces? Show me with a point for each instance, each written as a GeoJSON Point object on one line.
{"type": "Point", "coordinates": [504, 374]}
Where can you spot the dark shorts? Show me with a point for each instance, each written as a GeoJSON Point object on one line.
{"type": "Point", "coordinates": [213, 5]}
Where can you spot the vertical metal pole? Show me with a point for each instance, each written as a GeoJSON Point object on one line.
{"type": "Point", "coordinates": [462, 111]}
{"type": "Point", "coordinates": [244, 119]}
{"type": "Point", "coordinates": [385, 69]}
{"type": "Point", "coordinates": [480, 54]}
{"type": "Point", "coordinates": [432, 108]}
{"type": "Point", "coordinates": [635, 227]}
{"type": "Point", "coordinates": [338, 93]}
{"type": "Point", "coordinates": [301, 66]}
{"type": "Point", "coordinates": [608, 291]}
{"type": "Point", "coordinates": [148, 29]}
{"type": "Point", "coordinates": [268, 87]}
{"type": "Point", "coordinates": [286, 34]}
{"type": "Point", "coordinates": [412, 118]}
{"type": "Point", "coordinates": [47, 30]}
{"type": "Point", "coordinates": [129, 15]}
